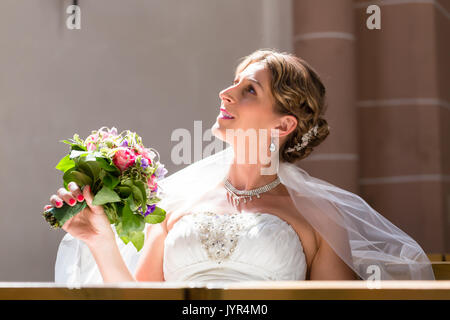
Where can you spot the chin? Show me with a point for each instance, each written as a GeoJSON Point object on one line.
{"type": "Point", "coordinates": [218, 131]}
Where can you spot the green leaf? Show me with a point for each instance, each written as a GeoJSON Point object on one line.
{"type": "Point", "coordinates": [91, 168]}
{"type": "Point", "coordinates": [137, 238]}
{"type": "Point", "coordinates": [127, 182]}
{"type": "Point", "coordinates": [105, 195]}
{"type": "Point", "coordinates": [123, 191]}
{"type": "Point", "coordinates": [65, 164]}
{"type": "Point", "coordinates": [80, 178]}
{"type": "Point", "coordinates": [156, 216]}
{"type": "Point", "coordinates": [75, 145]}
{"type": "Point", "coordinates": [142, 188]}
{"type": "Point", "coordinates": [133, 206]}
{"type": "Point", "coordinates": [110, 180]}
{"type": "Point", "coordinates": [68, 142]}
{"type": "Point", "coordinates": [153, 200]}
{"type": "Point", "coordinates": [78, 147]}
{"type": "Point", "coordinates": [137, 195]}
{"type": "Point", "coordinates": [66, 212]}
{"type": "Point", "coordinates": [107, 166]}
{"type": "Point", "coordinates": [66, 175]}
{"type": "Point", "coordinates": [131, 227]}
{"type": "Point", "coordinates": [138, 191]}
{"type": "Point", "coordinates": [111, 211]}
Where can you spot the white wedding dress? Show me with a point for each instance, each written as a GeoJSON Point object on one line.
{"type": "Point", "coordinates": [204, 247]}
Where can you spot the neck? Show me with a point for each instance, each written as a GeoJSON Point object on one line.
{"type": "Point", "coordinates": [248, 176]}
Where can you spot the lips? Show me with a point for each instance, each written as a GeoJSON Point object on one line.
{"type": "Point", "coordinates": [225, 114]}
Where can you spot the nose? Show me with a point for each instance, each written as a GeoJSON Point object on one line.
{"type": "Point", "coordinates": [226, 96]}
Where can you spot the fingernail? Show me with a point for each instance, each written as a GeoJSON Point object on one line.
{"type": "Point", "coordinates": [47, 207]}
{"type": "Point", "coordinates": [80, 197]}
{"type": "Point", "coordinates": [58, 203]}
{"type": "Point", "coordinates": [72, 201]}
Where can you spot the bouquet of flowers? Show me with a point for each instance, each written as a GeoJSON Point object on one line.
{"type": "Point", "coordinates": [122, 175]}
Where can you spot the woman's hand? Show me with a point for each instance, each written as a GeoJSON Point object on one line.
{"type": "Point", "coordinates": [89, 225]}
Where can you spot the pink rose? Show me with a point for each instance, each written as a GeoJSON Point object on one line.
{"type": "Point", "coordinates": [123, 158]}
{"type": "Point", "coordinates": [152, 183]}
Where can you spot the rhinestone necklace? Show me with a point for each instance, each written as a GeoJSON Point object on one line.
{"type": "Point", "coordinates": [236, 195]}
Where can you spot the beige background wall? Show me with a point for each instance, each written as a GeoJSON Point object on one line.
{"type": "Point", "coordinates": [151, 66]}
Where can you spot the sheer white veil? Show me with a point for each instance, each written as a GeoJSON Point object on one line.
{"type": "Point", "coordinates": [365, 240]}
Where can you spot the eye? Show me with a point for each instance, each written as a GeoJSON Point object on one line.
{"type": "Point", "coordinates": [250, 88]}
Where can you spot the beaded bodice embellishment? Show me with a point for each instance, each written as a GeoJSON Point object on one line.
{"type": "Point", "coordinates": [219, 233]}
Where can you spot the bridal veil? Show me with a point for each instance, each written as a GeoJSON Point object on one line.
{"type": "Point", "coordinates": [366, 241]}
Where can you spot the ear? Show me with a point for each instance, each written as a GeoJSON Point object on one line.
{"type": "Point", "coordinates": [286, 124]}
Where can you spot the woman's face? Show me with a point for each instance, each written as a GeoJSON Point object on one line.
{"type": "Point", "coordinates": [246, 104]}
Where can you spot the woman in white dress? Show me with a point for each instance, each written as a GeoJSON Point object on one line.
{"type": "Point", "coordinates": [236, 219]}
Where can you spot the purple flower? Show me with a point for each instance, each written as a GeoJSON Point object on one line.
{"type": "Point", "coordinates": [124, 143]}
{"type": "Point", "coordinates": [144, 163]}
{"type": "Point", "coordinates": [160, 171]}
{"type": "Point", "coordinates": [150, 209]}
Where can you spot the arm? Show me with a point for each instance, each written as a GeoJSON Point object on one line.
{"type": "Point", "coordinates": [102, 243]}
{"type": "Point", "coordinates": [92, 227]}
{"type": "Point", "coordinates": [150, 265]}
{"type": "Point", "coordinates": [327, 265]}
{"type": "Point", "coordinates": [110, 263]}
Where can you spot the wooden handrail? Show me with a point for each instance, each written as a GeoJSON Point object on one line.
{"type": "Point", "coordinates": [260, 290]}
{"type": "Point", "coordinates": [436, 257]}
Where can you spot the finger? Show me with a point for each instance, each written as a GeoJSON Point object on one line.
{"type": "Point", "coordinates": [56, 201]}
{"type": "Point", "coordinates": [48, 207]}
{"type": "Point", "coordinates": [66, 196]}
{"type": "Point", "coordinates": [76, 192]}
{"type": "Point", "coordinates": [89, 197]}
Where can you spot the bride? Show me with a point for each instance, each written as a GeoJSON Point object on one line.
{"type": "Point", "coordinates": [248, 213]}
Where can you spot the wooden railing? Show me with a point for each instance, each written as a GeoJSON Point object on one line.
{"type": "Point", "coordinates": [261, 290]}
{"type": "Point", "coordinates": [441, 265]}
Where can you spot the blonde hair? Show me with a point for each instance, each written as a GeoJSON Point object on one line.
{"type": "Point", "coordinates": [298, 91]}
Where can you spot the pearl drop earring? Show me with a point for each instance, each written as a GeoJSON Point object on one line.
{"type": "Point", "coordinates": [272, 146]}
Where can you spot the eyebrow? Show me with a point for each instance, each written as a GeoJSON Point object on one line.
{"type": "Point", "coordinates": [255, 81]}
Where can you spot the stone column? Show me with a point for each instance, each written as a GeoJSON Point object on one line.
{"type": "Point", "coordinates": [324, 37]}
{"type": "Point", "coordinates": [404, 110]}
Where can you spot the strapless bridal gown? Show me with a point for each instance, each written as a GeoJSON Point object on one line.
{"type": "Point", "coordinates": [206, 247]}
